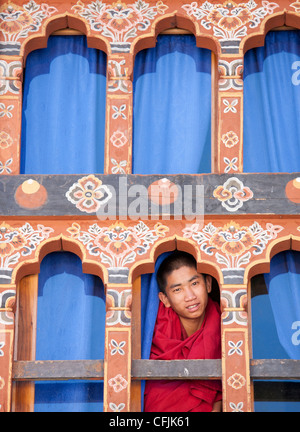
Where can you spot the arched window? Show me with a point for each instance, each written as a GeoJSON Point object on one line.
{"type": "Point", "coordinates": [145, 310]}
{"type": "Point", "coordinates": [63, 121]}
{"type": "Point", "coordinates": [276, 328]}
{"type": "Point", "coordinates": [70, 325]}
{"type": "Point", "coordinates": [172, 108]}
{"type": "Point", "coordinates": [272, 104]}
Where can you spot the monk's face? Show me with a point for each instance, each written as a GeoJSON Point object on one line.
{"type": "Point", "coordinates": [187, 294]}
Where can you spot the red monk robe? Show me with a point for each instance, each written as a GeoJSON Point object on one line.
{"type": "Point", "coordinates": [170, 342]}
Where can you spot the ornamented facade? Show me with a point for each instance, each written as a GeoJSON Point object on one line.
{"type": "Point", "coordinates": [247, 218]}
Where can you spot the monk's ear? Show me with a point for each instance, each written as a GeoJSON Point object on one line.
{"type": "Point", "coordinates": [163, 298]}
{"type": "Point", "coordinates": [208, 282]}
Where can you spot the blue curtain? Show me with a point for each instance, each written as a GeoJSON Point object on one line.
{"type": "Point", "coordinates": [63, 119]}
{"type": "Point", "coordinates": [70, 326]}
{"type": "Point", "coordinates": [172, 108]}
{"type": "Point", "coordinates": [63, 127]}
{"type": "Point", "coordinates": [149, 309]}
{"type": "Point", "coordinates": [272, 104]}
{"type": "Point", "coordinates": [171, 130]}
{"type": "Point", "coordinates": [283, 284]}
{"type": "Point", "coordinates": [271, 129]}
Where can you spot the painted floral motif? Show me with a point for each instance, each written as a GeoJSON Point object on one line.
{"type": "Point", "coordinates": [117, 348]}
{"type": "Point", "coordinates": [5, 140]}
{"type": "Point", "coordinates": [118, 383]}
{"type": "Point", "coordinates": [232, 244]}
{"type": "Point", "coordinates": [230, 164]}
{"type": "Point", "coordinates": [236, 381]}
{"type": "Point", "coordinates": [118, 167]}
{"type": "Point", "coordinates": [117, 245]}
{"type": "Point", "coordinates": [17, 21]}
{"type": "Point", "coordinates": [236, 407]}
{"type": "Point", "coordinates": [230, 139]}
{"type": "Point", "coordinates": [4, 167]}
{"type": "Point", "coordinates": [232, 240]}
{"type": "Point", "coordinates": [119, 111]}
{"type": "Point", "coordinates": [15, 242]}
{"type": "Point", "coordinates": [235, 348]}
{"type": "Point", "coordinates": [230, 20]}
{"type": "Point", "coordinates": [233, 194]}
{"type": "Point", "coordinates": [119, 21]}
{"type": "Point", "coordinates": [89, 194]}
{"type": "Point", "coordinates": [118, 139]}
{"type": "Point", "coordinates": [6, 111]}
{"type": "Point", "coordinates": [230, 106]}
{"type": "Point", "coordinates": [116, 408]}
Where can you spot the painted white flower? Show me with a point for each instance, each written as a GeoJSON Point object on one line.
{"type": "Point", "coordinates": [235, 348]}
{"type": "Point", "coordinates": [230, 106]}
{"type": "Point", "coordinates": [116, 408]}
{"type": "Point", "coordinates": [236, 407]}
{"type": "Point", "coordinates": [117, 347]}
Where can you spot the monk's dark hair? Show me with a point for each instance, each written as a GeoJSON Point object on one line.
{"type": "Point", "coordinates": [173, 262]}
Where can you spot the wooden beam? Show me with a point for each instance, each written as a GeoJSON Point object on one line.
{"type": "Point", "coordinates": [151, 369]}
{"type": "Point", "coordinates": [176, 369]}
{"type": "Point", "coordinates": [58, 370]}
{"type": "Point", "coordinates": [268, 369]}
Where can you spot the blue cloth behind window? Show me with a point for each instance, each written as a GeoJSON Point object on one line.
{"type": "Point", "coordinates": [172, 108]}
{"type": "Point", "coordinates": [70, 326]}
{"type": "Point", "coordinates": [64, 108]}
{"type": "Point", "coordinates": [272, 130]}
{"type": "Point", "coordinates": [272, 104]}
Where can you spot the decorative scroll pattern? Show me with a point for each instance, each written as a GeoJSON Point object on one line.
{"type": "Point", "coordinates": [118, 245]}
{"type": "Point", "coordinates": [119, 308]}
{"type": "Point", "coordinates": [17, 243]}
{"type": "Point", "coordinates": [119, 22]}
{"type": "Point", "coordinates": [16, 22]}
{"type": "Point", "coordinates": [233, 194]}
{"type": "Point", "coordinates": [230, 21]}
{"type": "Point", "coordinates": [231, 300]}
{"type": "Point", "coordinates": [88, 194]}
{"type": "Point", "coordinates": [232, 244]}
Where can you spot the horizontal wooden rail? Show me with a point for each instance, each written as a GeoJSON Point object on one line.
{"type": "Point", "coordinates": [268, 369]}
{"type": "Point", "coordinates": [50, 370]}
{"type": "Point", "coordinates": [151, 369]}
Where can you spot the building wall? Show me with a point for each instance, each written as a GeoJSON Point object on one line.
{"type": "Point", "coordinates": [38, 218]}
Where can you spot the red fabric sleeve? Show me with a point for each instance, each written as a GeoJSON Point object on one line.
{"type": "Point", "coordinates": [167, 344]}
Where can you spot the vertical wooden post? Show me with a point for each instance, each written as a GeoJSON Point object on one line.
{"type": "Point", "coordinates": [117, 357]}
{"type": "Point", "coordinates": [230, 115]}
{"type": "Point", "coordinates": [7, 321]}
{"type": "Point", "coordinates": [235, 349]}
{"type": "Point", "coordinates": [118, 135]}
{"type": "Point", "coordinates": [10, 113]}
{"type": "Point", "coordinates": [23, 392]}
{"type": "Point", "coordinates": [136, 342]}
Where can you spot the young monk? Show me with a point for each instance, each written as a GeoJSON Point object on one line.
{"type": "Point", "coordinates": [187, 327]}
